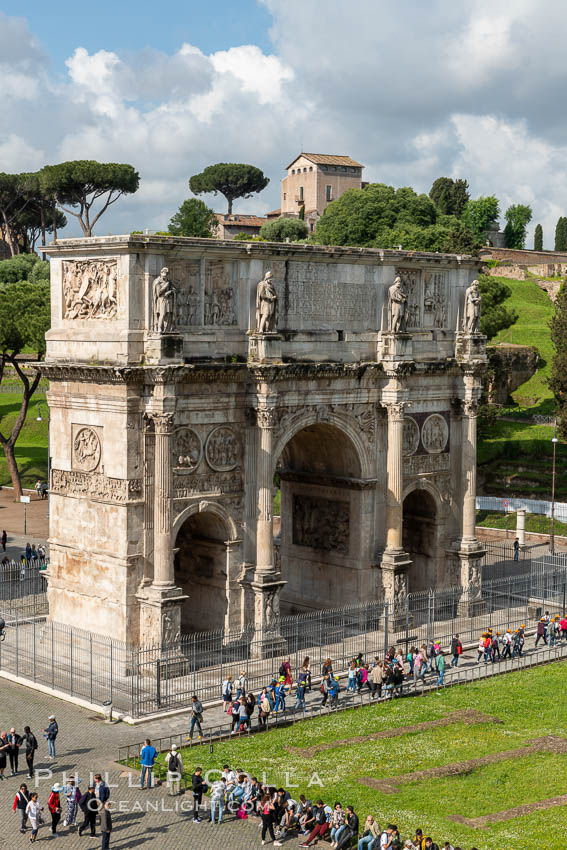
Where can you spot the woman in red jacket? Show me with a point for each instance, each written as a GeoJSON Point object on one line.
{"type": "Point", "coordinates": [54, 806]}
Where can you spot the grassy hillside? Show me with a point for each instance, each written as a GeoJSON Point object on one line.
{"type": "Point", "coordinates": [535, 310]}
{"type": "Point", "coordinates": [31, 448]}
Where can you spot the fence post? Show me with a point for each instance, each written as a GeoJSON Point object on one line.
{"type": "Point", "coordinates": [71, 661]}
{"type": "Point", "coordinates": [158, 682]}
{"type": "Point", "coordinates": [52, 657]}
{"type": "Point", "coordinates": [386, 625]}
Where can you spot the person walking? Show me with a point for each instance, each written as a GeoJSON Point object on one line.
{"type": "Point", "coordinates": [13, 752]}
{"type": "Point", "coordinates": [38, 485]}
{"type": "Point", "coordinates": [264, 709]}
{"type": "Point", "coordinates": [4, 747]}
{"type": "Point", "coordinates": [285, 671]}
{"type": "Point", "coordinates": [517, 549]}
{"type": "Point", "coordinates": [241, 685]}
{"type": "Point", "coordinates": [54, 806]}
{"type": "Point", "coordinates": [4, 540]}
{"type": "Point", "coordinates": [196, 717]}
{"type": "Point", "coordinates": [88, 804]}
{"type": "Point", "coordinates": [147, 758]}
{"type": "Point", "coordinates": [30, 742]}
{"type": "Point", "coordinates": [456, 650]}
{"type": "Point", "coordinates": [227, 687]}
{"type": "Point", "coordinates": [441, 667]}
{"type": "Point", "coordinates": [105, 826]}
{"type": "Point", "coordinates": [199, 788]}
{"type": "Point", "coordinates": [507, 644]}
{"type": "Point", "coordinates": [376, 679]}
{"type": "Point", "coordinates": [21, 801]}
{"type": "Point", "coordinates": [33, 811]}
{"type": "Point", "coordinates": [72, 797]}
{"type": "Point", "coordinates": [541, 629]}
{"type": "Point", "coordinates": [51, 734]}
{"type": "Point", "coordinates": [101, 789]}
{"type": "Point", "coordinates": [325, 689]}
{"type": "Point", "coordinates": [174, 764]}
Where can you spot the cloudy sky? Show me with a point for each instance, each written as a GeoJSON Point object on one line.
{"type": "Point", "coordinates": [414, 89]}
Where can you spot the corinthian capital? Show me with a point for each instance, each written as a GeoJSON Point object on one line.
{"type": "Point", "coordinates": [395, 409]}
{"type": "Point", "coordinates": [163, 422]}
{"type": "Point", "coordinates": [267, 417]}
{"type": "Point", "coordinates": [470, 407]}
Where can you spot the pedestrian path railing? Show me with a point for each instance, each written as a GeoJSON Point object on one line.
{"type": "Point", "coordinates": [129, 754]}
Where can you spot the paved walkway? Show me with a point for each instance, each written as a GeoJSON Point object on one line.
{"type": "Point", "coordinates": [87, 744]}
{"type": "Point", "coordinates": [12, 515]}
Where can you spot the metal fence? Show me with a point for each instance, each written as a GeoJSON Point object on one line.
{"type": "Point", "coordinates": [532, 506]}
{"type": "Point", "coordinates": [23, 588]}
{"type": "Point", "coordinates": [153, 679]}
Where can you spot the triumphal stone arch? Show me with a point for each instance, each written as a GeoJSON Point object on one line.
{"type": "Point", "coordinates": [188, 376]}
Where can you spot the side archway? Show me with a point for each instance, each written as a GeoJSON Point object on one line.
{"type": "Point", "coordinates": [203, 535]}
{"type": "Point", "coordinates": [422, 535]}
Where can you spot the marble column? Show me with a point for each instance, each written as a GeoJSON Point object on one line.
{"type": "Point", "coordinates": [471, 551]}
{"type": "Point", "coordinates": [470, 410]}
{"type": "Point", "coordinates": [163, 485]}
{"type": "Point", "coordinates": [265, 478]}
{"type": "Point", "coordinates": [395, 466]}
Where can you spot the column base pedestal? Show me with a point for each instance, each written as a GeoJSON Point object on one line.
{"type": "Point", "coordinates": [395, 566]}
{"type": "Point", "coordinates": [264, 348]}
{"type": "Point", "coordinates": [267, 641]}
{"type": "Point", "coordinates": [160, 615]}
{"type": "Point", "coordinates": [164, 348]}
{"type": "Point", "coordinates": [471, 603]}
{"type": "Point", "coordinates": [470, 346]}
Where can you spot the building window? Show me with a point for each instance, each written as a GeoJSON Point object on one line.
{"type": "Point", "coordinates": [304, 170]}
{"type": "Point", "coordinates": [310, 168]}
{"type": "Point", "coordinates": [324, 168]}
{"type": "Point", "coordinates": [329, 193]}
{"type": "Point", "coordinates": [311, 226]}
{"type": "Point", "coordinates": [301, 193]}
{"type": "Point", "coordinates": [285, 196]}
{"type": "Point", "coordinates": [333, 168]}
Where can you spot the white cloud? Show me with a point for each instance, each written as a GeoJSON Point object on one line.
{"type": "Point", "coordinates": [17, 155]}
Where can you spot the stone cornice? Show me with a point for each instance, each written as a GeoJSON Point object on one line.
{"type": "Point", "coordinates": [309, 478]}
{"type": "Point", "coordinates": [194, 247]}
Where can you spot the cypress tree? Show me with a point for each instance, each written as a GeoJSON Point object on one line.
{"type": "Point", "coordinates": [538, 238]}
{"type": "Point", "coordinates": [561, 234]}
{"type": "Point", "coordinates": [558, 379]}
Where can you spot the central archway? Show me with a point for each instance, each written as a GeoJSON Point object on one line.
{"type": "Point", "coordinates": [322, 546]}
{"type": "Point", "coordinates": [201, 569]}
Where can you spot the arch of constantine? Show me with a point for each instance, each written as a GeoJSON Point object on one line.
{"type": "Point", "coordinates": [189, 374]}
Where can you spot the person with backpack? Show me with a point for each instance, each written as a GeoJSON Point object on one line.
{"type": "Point", "coordinates": [241, 685]}
{"type": "Point", "coordinates": [21, 801]}
{"type": "Point", "coordinates": [88, 804]}
{"type": "Point", "coordinates": [334, 689]}
{"type": "Point", "coordinates": [495, 648]}
{"type": "Point", "coordinates": [507, 643]}
{"type": "Point", "coordinates": [280, 695]}
{"type": "Point", "coordinates": [300, 694]}
{"type": "Point", "coordinates": [174, 764]}
{"type": "Point", "coordinates": [33, 811]}
{"type": "Point", "coordinates": [456, 650]}
{"type": "Point", "coordinates": [285, 671]}
{"type": "Point", "coordinates": [227, 687]}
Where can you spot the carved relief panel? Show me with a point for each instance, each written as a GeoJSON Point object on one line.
{"type": "Point", "coordinates": [223, 449]}
{"type": "Point", "coordinates": [90, 289]}
{"type": "Point", "coordinates": [434, 300]}
{"type": "Point", "coordinates": [86, 448]}
{"type": "Point", "coordinates": [321, 524]}
{"type": "Point", "coordinates": [220, 293]}
{"type": "Point", "coordinates": [187, 450]}
{"type": "Point", "coordinates": [411, 436]}
{"type": "Point", "coordinates": [411, 282]}
{"type": "Point", "coordinates": [186, 277]}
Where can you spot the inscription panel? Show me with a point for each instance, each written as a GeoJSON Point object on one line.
{"type": "Point", "coordinates": [326, 293]}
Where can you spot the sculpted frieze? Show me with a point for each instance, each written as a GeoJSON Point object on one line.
{"type": "Point", "coordinates": [321, 524]}
{"type": "Point", "coordinates": [220, 306]}
{"type": "Point", "coordinates": [90, 289]}
{"type": "Point", "coordinates": [421, 464]}
{"type": "Point", "coordinates": [95, 486]}
{"type": "Point", "coordinates": [214, 483]}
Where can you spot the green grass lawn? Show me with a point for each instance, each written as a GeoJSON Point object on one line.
{"type": "Point", "coordinates": [530, 704]}
{"type": "Point", "coordinates": [535, 310]}
{"type": "Point", "coordinates": [31, 448]}
{"type": "Point", "coordinates": [535, 523]}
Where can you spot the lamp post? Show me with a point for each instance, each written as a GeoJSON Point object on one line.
{"type": "Point", "coordinates": [39, 418]}
{"type": "Point", "coordinates": [552, 534]}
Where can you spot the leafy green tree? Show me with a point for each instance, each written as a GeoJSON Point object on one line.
{"type": "Point", "coordinates": [231, 179]}
{"type": "Point", "coordinates": [24, 320]}
{"type": "Point", "coordinates": [450, 196]}
{"type": "Point", "coordinates": [77, 185]}
{"type": "Point", "coordinates": [35, 221]}
{"type": "Point", "coordinates": [561, 234]}
{"type": "Point", "coordinates": [194, 218]}
{"type": "Point", "coordinates": [538, 238]}
{"type": "Point", "coordinates": [479, 214]}
{"type": "Point", "coordinates": [558, 379]}
{"type": "Point", "coordinates": [280, 229]}
{"type": "Point", "coordinates": [495, 316]}
{"type": "Point", "coordinates": [518, 216]}
{"type": "Point", "coordinates": [17, 191]}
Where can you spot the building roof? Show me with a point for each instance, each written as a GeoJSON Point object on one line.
{"type": "Point", "coordinates": [327, 159]}
{"type": "Point", "coordinates": [238, 220]}
{"type": "Point", "coordinates": [274, 213]}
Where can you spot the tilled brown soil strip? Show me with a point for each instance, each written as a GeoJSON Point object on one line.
{"type": "Point", "coordinates": [463, 716]}
{"type": "Point", "coordinates": [510, 814]}
{"type": "Point", "coordinates": [389, 785]}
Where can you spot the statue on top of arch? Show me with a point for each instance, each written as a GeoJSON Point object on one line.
{"type": "Point", "coordinates": [398, 306]}
{"type": "Point", "coordinates": [473, 301]}
{"type": "Point", "coordinates": [266, 306]}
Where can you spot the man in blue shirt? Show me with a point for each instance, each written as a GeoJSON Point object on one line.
{"type": "Point", "coordinates": [147, 759]}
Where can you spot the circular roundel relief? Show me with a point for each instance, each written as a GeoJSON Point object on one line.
{"type": "Point", "coordinates": [187, 449]}
{"type": "Point", "coordinates": [434, 433]}
{"type": "Point", "coordinates": [86, 450]}
{"type": "Point", "coordinates": [411, 436]}
{"type": "Point", "coordinates": [222, 449]}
